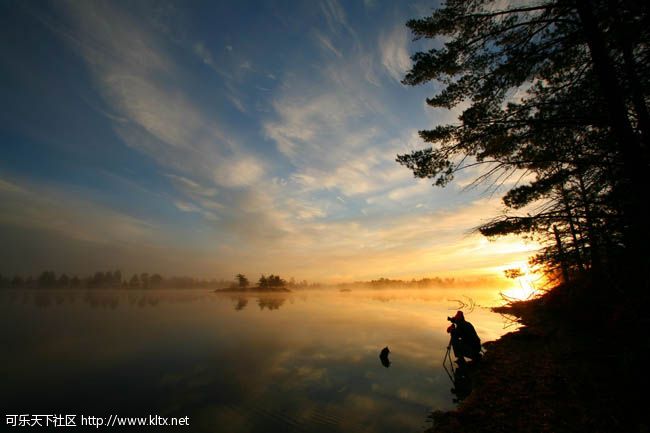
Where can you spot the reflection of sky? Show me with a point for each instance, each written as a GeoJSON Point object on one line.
{"type": "Point", "coordinates": [311, 364]}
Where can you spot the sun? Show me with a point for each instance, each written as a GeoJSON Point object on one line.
{"type": "Point", "coordinates": [524, 281]}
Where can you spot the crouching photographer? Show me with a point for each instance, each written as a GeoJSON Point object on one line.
{"type": "Point", "coordinates": [464, 339]}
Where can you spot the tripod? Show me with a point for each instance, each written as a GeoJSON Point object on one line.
{"type": "Point", "coordinates": [448, 363]}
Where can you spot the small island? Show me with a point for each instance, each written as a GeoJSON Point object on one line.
{"type": "Point", "coordinates": [272, 283]}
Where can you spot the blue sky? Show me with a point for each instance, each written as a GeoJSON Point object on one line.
{"type": "Point", "coordinates": [211, 138]}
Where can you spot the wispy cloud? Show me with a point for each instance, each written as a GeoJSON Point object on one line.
{"type": "Point", "coordinates": [135, 75]}
{"type": "Point", "coordinates": [192, 187]}
{"type": "Point", "coordinates": [51, 209]}
{"type": "Point", "coordinates": [326, 44]}
{"type": "Point", "coordinates": [239, 171]}
{"type": "Point", "coordinates": [206, 56]}
{"type": "Point", "coordinates": [394, 52]}
{"type": "Point", "coordinates": [334, 14]}
{"type": "Point", "coordinates": [161, 119]}
{"type": "Point", "coordinates": [192, 208]}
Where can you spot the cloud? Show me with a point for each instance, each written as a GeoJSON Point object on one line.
{"type": "Point", "coordinates": [204, 54]}
{"type": "Point", "coordinates": [192, 208]}
{"type": "Point", "coordinates": [239, 172]}
{"type": "Point", "coordinates": [237, 102]}
{"type": "Point", "coordinates": [417, 189]}
{"type": "Point", "coordinates": [393, 47]}
{"type": "Point", "coordinates": [334, 14]}
{"type": "Point", "coordinates": [186, 207]}
{"type": "Point", "coordinates": [334, 139]}
{"type": "Point", "coordinates": [327, 44]}
{"type": "Point", "coordinates": [367, 64]}
{"type": "Point", "coordinates": [49, 209]}
{"type": "Point", "coordinates": [191, 187]}
{"type": "Point", "coordinates": [160, 117]}
{"type": "Point", "coordinates": [52, 228]}
{"type": "Point", "coordinates": [140, 81]}
{"type": "Point", "coordinates": [433, 243]}
{"type": "Point", "coordinates": [322, 129]}
{"type": "Point", "coordinates": [9, 187]}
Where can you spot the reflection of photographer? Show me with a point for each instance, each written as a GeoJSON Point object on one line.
{"type": "Point", "coordinates": [464, 339]}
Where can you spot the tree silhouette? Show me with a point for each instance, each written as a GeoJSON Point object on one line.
{"type": "Point", "coordinates": [63, 281]}
{"type": "Point", "coordinates": [263, 282]}
{"type": "Point", "coordinates": [275, 281]}
{"type": "Point", "coordinates": [47, 279]}
{"type": "Point", "coordinates": [144, 280]}
{"type": "Point", "coordinates": [557, 112]}
{"type": "Point", "coordinates": [271, 282]}
{"type": "Point", "coordinates": [156, 281]}
{"type": "Point", "coordinates": [242, 281]}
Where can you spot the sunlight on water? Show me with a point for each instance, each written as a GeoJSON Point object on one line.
{"type": "Point", "coordinates": [302, 361]}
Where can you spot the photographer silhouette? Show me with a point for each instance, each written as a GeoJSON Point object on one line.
{"type": "Point", "coordinates": [464, 339]}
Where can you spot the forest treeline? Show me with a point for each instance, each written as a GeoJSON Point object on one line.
{"type": "Point", "coordinates": [423, 283]}
{"type": "Point", "coordinates": [116, 280]}
{"type": "Point", "coordinates": [105, 280]}
{"type": "Point", "coordinates": [554, 98]}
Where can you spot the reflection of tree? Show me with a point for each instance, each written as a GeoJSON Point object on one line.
{"type": "Point", "coordinates": [381, 298]}
{"type": "Point", "coordinates": [110, 299]}
{"type": "Point", "coordinates": [270, 303]}
{"type": "Point", "coordinates": [102, 299]}
{"type": "Point", "coordinates": [42, 300]}
{"type": "Point", "coordinates": [241, 303]}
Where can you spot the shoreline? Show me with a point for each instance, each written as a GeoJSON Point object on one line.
{"type": "Point", "coordinates": [548, 376]}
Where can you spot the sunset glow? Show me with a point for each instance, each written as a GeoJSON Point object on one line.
{"type": "Point", "coordinates": [525, 286]}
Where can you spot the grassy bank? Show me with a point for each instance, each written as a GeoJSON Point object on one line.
{"type": "Point", "coordinates": [571, 367]}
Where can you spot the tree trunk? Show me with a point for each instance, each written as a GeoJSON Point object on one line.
{"type": "Point", "coordinates": [635, 206]}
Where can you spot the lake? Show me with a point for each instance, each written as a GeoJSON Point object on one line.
{"type": "Point", "coordinates": [304, 361]}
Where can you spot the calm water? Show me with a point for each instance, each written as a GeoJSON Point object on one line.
{"type": "Point", "coordinates": [304, 362]}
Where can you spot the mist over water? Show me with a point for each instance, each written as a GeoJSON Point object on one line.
{"type": "Point", "coordinates": [301, 361]}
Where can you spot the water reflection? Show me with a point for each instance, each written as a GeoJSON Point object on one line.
{"type": "Point", "coordinates": [112, 299]}
{"type": "Point", "coordinates": [241, 302]}
{"type": "Point", "coordinates": [310, 365]}
{"type": "Point", "coordinates": [100, 298]}
{"type": "Point", "coordinates": [462, 380]}
{"type": "Point", "coordinates": [270, 303]}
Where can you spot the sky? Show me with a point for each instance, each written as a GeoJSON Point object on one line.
{"type": "Point", "coordinates": [210, 138]}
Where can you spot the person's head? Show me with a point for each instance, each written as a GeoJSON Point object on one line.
{"type": "Point", "coordinates": [459, 317]}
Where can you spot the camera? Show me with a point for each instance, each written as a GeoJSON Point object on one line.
{"type": "Point", "coordinates": [452, 319]}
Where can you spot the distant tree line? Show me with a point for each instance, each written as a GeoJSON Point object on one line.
{"type": "Point", "coordinates": [423, 283]}
{"type": "Point", "coordinates": [105, 280]}
{"type": "Point", "coordinates": [116, 280]}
